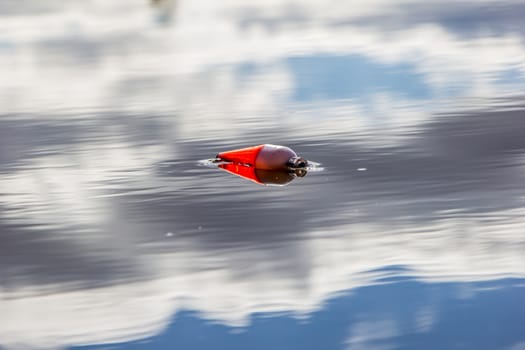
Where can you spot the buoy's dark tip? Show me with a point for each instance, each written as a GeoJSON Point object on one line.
{"type": "Point", "coordinates": [297, 163]}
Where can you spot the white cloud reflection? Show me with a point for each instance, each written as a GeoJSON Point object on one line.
{"type": "Point", "coordinates": [99, 56]}
{"type": "Point", "coordinates": [366, 335]}
{"type": "Point", "coordinates": [230, 285]}
{"type": "Point", "coordinates": [86, 50]}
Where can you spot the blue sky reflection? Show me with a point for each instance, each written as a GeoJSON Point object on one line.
{"type": "Point", "coordinates": [354, 76]}
{"type": "Point", "coordinates": [407, 314]}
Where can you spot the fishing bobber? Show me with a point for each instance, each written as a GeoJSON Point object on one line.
{"type": "Point", "coordinates": [264, 157]}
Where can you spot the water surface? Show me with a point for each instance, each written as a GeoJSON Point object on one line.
{"type": "Point", "coordinates": [112, 235]}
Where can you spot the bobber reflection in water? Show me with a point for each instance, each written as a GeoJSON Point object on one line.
{"type": "Point", "coordinates": [264, 164]}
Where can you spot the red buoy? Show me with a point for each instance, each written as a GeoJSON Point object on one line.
{"type": "Point", "coordinates": [264, 157]}
{"type": "Point", "coordinates": [244, 156]}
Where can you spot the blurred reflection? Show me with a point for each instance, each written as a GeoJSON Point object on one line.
{"type": "Point", "coordinates": [412, 316]}
{"type": "Point", "coordinates": [164, 10]}
{"type": "Point", "coordinates": [264, 177]}
{"type": "Point", "coordinates": [109, 229]}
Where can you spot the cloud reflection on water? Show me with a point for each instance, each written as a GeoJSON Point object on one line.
{"type": "Point", "coordinates": [103, 123]}
{"type": "Point", "coordinates": [444, 226]}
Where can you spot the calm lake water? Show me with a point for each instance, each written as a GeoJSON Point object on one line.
{"type": "Point", "coordinates": [114, 236]}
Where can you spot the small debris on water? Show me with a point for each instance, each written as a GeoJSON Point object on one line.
{"type": "Point", "coordinates": [169, 234]}
{"type": "Point", "coordinates": [362, 169]}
